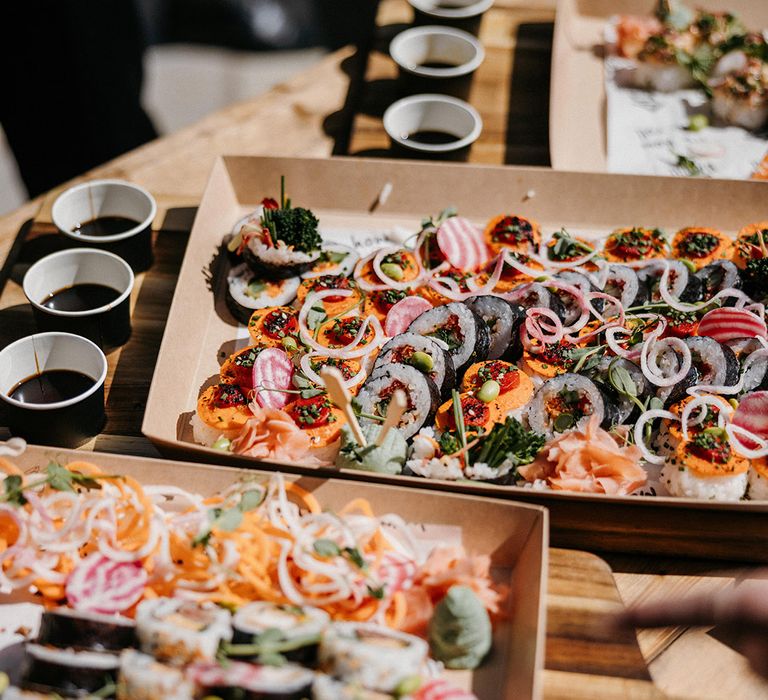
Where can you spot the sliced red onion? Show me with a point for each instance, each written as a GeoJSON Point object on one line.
{"type": "Point", "coordinates": [735, 432]}
{"type": "Point", "coordinates": [653, 414]}
{"type": "Point", "coordinates": [533, 328]}
{"type": "Point", "coordinates": [613, 344]}
{"type": "Point", "coordinates": [348, 351]}
{"type": "Point", "coordinates": [702, 401]}
{"type": "Point", "coordinates": [345, 267]}
{"type": "Point", "coordinates": [543, 259]}
{"type": "Point", "coordinates": [361, 281]}
{"type": "Point", "coordinates": [309, 373]}
{"type": "Point", "coordinates": [394, 284]}
{"type": "Point", "coordinates": [520, 267]}
{"type": "Point", "coordinates": [649, 355]}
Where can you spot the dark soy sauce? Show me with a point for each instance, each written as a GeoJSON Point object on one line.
{"type": "Point", "coordinates": [51, 386]}
{"type": "Point", "coordinates": [437, 64]}
{"type": "Point", "coordinates": [105, 226]}
{"type": "Point", "coordinates": [431, 137]}
{"type": "Point", "coordinates": [80, 297]}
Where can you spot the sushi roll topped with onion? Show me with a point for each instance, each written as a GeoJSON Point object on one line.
{"type": "Point", "coordinates": [740, 97]}
{"type": "Point", "coordinates": [280, 240]}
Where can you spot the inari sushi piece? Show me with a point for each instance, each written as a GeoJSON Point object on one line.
{"type": "Point", "coordinates": [423, 353]}
{"type": "Point", "coordinates": [235, 680]}
{"type": "Point", "coordinates": [65, 627]}
{"type": "Point", "coordinates": [515, 387]}
{"type": "Point", "coordinates": [459, 329]}
{"type": "Point", "coordinates": [635, 243]}
{"type": "Point", "coordinates": [701, 246]}
{"type": "Point", "coordinates": [320, 420]}
{"type": "Point", "coordinates": [378, 658]}
{"type": "Point", "coordinates": [181, 631]}
{"type": "Point", "coordinates": [143, 678]}
{"type": "Point", "coordinates": [222, 411]}
{"type": "Point", "coordinates": [657, 66]}
{"type": "Point", "coordinates": [477, 414]}
{"type": "Point", "coordinates": [740, 98]}
{"type": "Point", "coordinates": [300, 625]}
{"type": "Point", "coordinates": [68, 672]}
{"type": "Point", "coordinates": [757, 487]}
{"type": "Point", "coordinates": [422, 394]}
{"type": "Point", "coordinates": [749, 244]}
{"type": "Point", "coordinates": [335, 304]}
{"type": "Point", "coordinates": [248, 291]}
{"type": "Point", "coordinates": [706, 467]}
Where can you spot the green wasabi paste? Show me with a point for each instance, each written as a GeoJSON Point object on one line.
{"type": "Point", "coordinates": [460, 629]}
{"type": "Point", "coordinates": [387, 459]}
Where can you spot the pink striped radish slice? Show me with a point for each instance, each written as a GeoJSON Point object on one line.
{"type": "Point", "coordinates": [272, 375]}
{"type": "Point", "coordinates": [440, 689]}
{"type": "Point", "coordinates": [396, 572]}
{"type": "Point", "coordinates": [752, 415]}
{"type": "Point", "coordinates": [462, 244]}
{"type": "Point", "coordinates": [100, 585]}
{"type": "Point", "coordinates": [399, 317]}
{"type": "Point", "coordinates": [730, 324]}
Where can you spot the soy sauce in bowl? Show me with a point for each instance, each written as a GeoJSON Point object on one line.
{"type": "Point", "coordinates": [80, 297]}
{"type": "Point", "coordinates": [431, 136]}
{"type": "Point", "coordinates": [105, 226]}
{"type": "Point", "coordinates": [51, 386]}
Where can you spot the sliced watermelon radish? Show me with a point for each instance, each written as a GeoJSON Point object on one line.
{"type": "Point", "coordinates": [396, 572]}
{"type": "Point", "coordinates": [440, 689]}
{"type": "Point", "coordinates": [99, 585]}
{"type": "Point", "coordinates": [462, 244]}
{"type": "Point", "coordinates": [399, 317]}
{"type": "Point", "coordinates": [752, 415]}
{"type": "Point", "coordinates": [730, 324]}
{"type": "Point", "coordinates": [272, 375]}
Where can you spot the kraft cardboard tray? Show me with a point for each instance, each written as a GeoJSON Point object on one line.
{"type": "Point", "coordinates": [513, 535]}
{"type": "Point", "coordinates": [577, 109]}
{"type": "Point", "coordinates": [200, 332]}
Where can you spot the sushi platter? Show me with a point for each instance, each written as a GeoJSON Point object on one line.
{"type": "Point", "coordinates": [361, 203]}
{"type": "Point", "coordinates": [116, 577]}
{"type": "Point", "coordinates": [611, 110]}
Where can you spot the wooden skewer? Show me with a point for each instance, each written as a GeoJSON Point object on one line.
{"type": "Point", "coordinates": [340, 396]}
{"type": "Point", "coordinates": [397, 405]}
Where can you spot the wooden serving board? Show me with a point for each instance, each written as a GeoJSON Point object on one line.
{"type": "Point", "coordinates": [510, 89]}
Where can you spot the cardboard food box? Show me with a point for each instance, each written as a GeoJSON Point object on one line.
{"type": "Point", "coordinates": [514, 536]}
{"type": "Point", "coordinates": [577, 103]}
{"type": "Point", "coordinates": [201, 332]}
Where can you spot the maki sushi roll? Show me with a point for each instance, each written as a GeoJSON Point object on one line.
{"type": "Point", "coordinates": [716, 363]}
{"type": "Point", "coordinates": [68, 672]}
{"type": "Point", "coordinates": [751, 244]}
{"type": "Point", "coordinates": [460, 329]}
{"type": "Point", "coordinates": [740, 97]}
{"type": "Point", "coordinates": [536, 295]}
{"type": "Point", "coordinates": [326, 688]}
{"type": "Point", "coordinates": [681, 283]}
{"type": "Point", "coordinates": [623, 284]}
{"type": "Point", "coordinates": [717, 276]}
{"type": "Point", "coordinates": [248, 291]}
{"type": "Point", "coordinates": [563, 403]}
{"type": "Point", "coordinates": [181, 631]}
{"type": "Point", "coordinates": [65, 627]}
{"type": "Point", "coordinates": [701, 246]}
{"type": "Point", "coordinates": [377, 658]}
{"type": "Point", "coordinates": [511, 231]}
{"type": "Point", "coordinates": [623, 385]}
{"type": "Point", "coordinates": [503, 320]}
{"type": "Point", "coordinates": [635, 244]}
{"type": "Point", "coordinates": [423, 396]}
{"type": "Point", "coordinates": [296, 626]}
{"type": "Point", "coordinates": [706, 467]}
{"type": "Point", "coordinates": [283, 242]}
{"type": "Point", "coordinates": [423, 353]}
{"type": "Point", "coordinates": [143, 678]}
{"type": "Point", "coordinates": [570, 304]}
{"type": "Point", "coordinates": [222, 411]}
{"type": "Point", "coordinates": [235, 680]}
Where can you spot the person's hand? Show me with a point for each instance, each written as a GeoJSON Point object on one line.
{"type": "Point", "coordinates": [740, 612]}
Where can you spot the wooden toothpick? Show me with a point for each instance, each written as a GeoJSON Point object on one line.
{"type": "Point", "coordinates": [397, 405]}
{"type": "Point", "coordinates": [340, 396]}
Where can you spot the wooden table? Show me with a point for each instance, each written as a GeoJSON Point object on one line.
{"type": "Point", "coordinates": [308, 116]}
